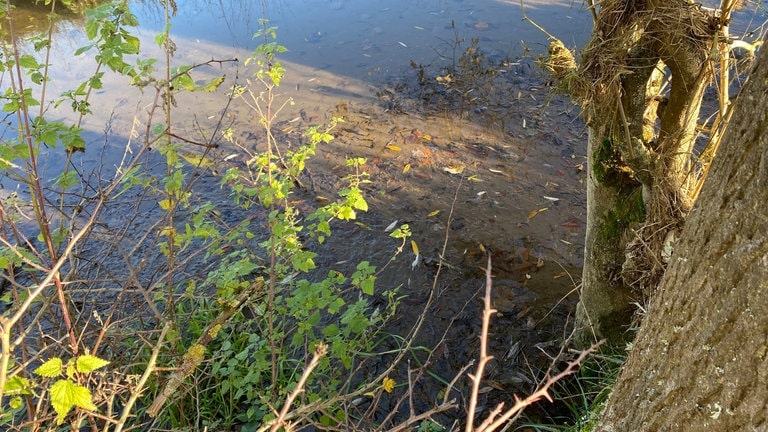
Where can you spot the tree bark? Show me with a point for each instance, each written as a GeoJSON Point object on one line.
{"type": "Point", "coordinates": [700, 359]}
{"type": "Point", "coordinates": [639, 154]}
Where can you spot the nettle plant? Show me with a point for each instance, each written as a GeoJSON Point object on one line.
{"type": "Point", "coordinates": [288, 308]}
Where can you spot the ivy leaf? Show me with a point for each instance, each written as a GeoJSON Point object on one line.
{"type": "Point", "coordinates": [51, 368]}
{"type": "Point", "coordinates": [65, 394]}
{"type": "Point", "coordinates": [89, 363]}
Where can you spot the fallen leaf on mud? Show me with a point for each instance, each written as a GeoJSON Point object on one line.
{"type": "Point", "coordinates": [391, 226]}
{"type": "Point", "coordinates": [414, 247]}
{"type": "Point", "coordinates": [495, 171]}
{"type": "Point", "coordinates": [553, 199]}
{"type": "Point", "coordinates": [406, 168]}
{"type": "Point", "coordinates": [454, 169]}
{"type": "Point", "coordinates": [535, 212]}
{"type": "Point", "coordinates": [566, 242]}
{"type": "Point", "coordinates": [560, 275]}
{"type": "Point", "coordinates": [474, 178]}
{"type": "Point", "coordinates": [321, 199]}
{"type": "Point", "coordinates": [434, 213]}
{"type": "Point", "coordinates": [427, 137]}
{"type": "Point", "coordinates": [393, 147]}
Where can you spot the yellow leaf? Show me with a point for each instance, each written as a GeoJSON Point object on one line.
{"type": "Point", "coordinates": [414, 247]}
{"type": "Point", "coordinates": [535, 212]}
{"type": "Point", "coordinates": [474, 178]}
{"type": "Point", "coordinates": [388, 384]}
{"type": "Point", "coordinates": [406, 168]}
{"type": "Point", "coordinates": [454, 169]}
{"type": "Point", "coordinates": [392, 147]}
{"type": "Point", "coordinates": [196, 160]}
{"type": "Point", "coordinates": [434, 213]}
{"type": "Point", "coordinates": [165, 204]}
{"type": "Point", "coordinates": [482, 247]}
{"type": "Point", "coordinates": [427, 137]}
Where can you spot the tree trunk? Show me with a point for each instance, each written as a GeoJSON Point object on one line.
{"type": "Point", "coordinates": [700, 359]}
{"type": "Point", "coordinates": [641, 84]}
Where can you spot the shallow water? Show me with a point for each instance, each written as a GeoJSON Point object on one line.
{"type": "Point", "coordinates": [521, 150]}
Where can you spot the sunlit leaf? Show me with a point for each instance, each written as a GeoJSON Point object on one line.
{"type": "Point", "coordinates": [89, 363]}
{"type": "Point", "coordinates": [165, 204]}
{"type": "Point", "coordinates": [212, 85]}
{"type": "Point", "coordinates": [454, 169]}
{"type": "Point", "coordinates": [393, 147]}
{"type": "Point", "coordinates": [51, 368]}
{"type": "Point", "coordinates": [388, 384]}
{"type": "Point", "coordinates": [66, 394]}
{"type": "Point", "coordinates": [535, 212]}
{"type": "Point", "coordinates": [433, 213]}
{"type": "Point", "coordinates": [16, 385]}
{"type": "Point", "coordinates": [406, 168]}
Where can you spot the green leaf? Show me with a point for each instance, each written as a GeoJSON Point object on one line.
{"type": "Point", "coordinates": [28, 61]}
{"type": "Point", "coordinates": [17, 385]}
{"type": "Point", "coordinates": [65, 394]}
{"type": "Point", "coordinates": [212, 85]}
{"type": "Point", "coordinates": [51, 368]}
{"type": "Point", "coordinates": [83, 49]}
{"type": "Point", "coordinates": [89, 363]}
{"type": "Point", "coordinates": [15, 403]}
{"type": "Point", "coordinates": [131, 45]}
{"type": "Point", "coordinates": [367, 285]}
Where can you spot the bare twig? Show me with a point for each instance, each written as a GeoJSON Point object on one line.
{"type": "Point", "coordinates": [320, 351]}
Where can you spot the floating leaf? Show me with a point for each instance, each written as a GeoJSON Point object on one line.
{"type": "Point", "coordinates": [535, 212]}
{"type": "Point", "coordinates": [434, 213]}
{"type": "Point", "coordinates": [454, 169]}
{"type": "Point", "coordinates": [392, 147]}
{"type": "Point", "coordinates": [406, 168]}
{"type": "Point", "coordinates": [196, 160]}
{"type": "Point", "coordinates": [416, 262]}
{"type": "Point", "coordinates": [391, 226]}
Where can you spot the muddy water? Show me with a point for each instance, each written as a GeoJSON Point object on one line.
{"type": "Point", "coordinates": [492, 161]}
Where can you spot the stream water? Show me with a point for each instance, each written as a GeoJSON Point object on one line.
{"type": "Point", "coordinates": [502, 170]}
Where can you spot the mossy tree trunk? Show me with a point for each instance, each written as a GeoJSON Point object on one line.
{"type": "Point", "coordinates": [641, 83]}
{"type": "Point", "coordinates": [700, 359]}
